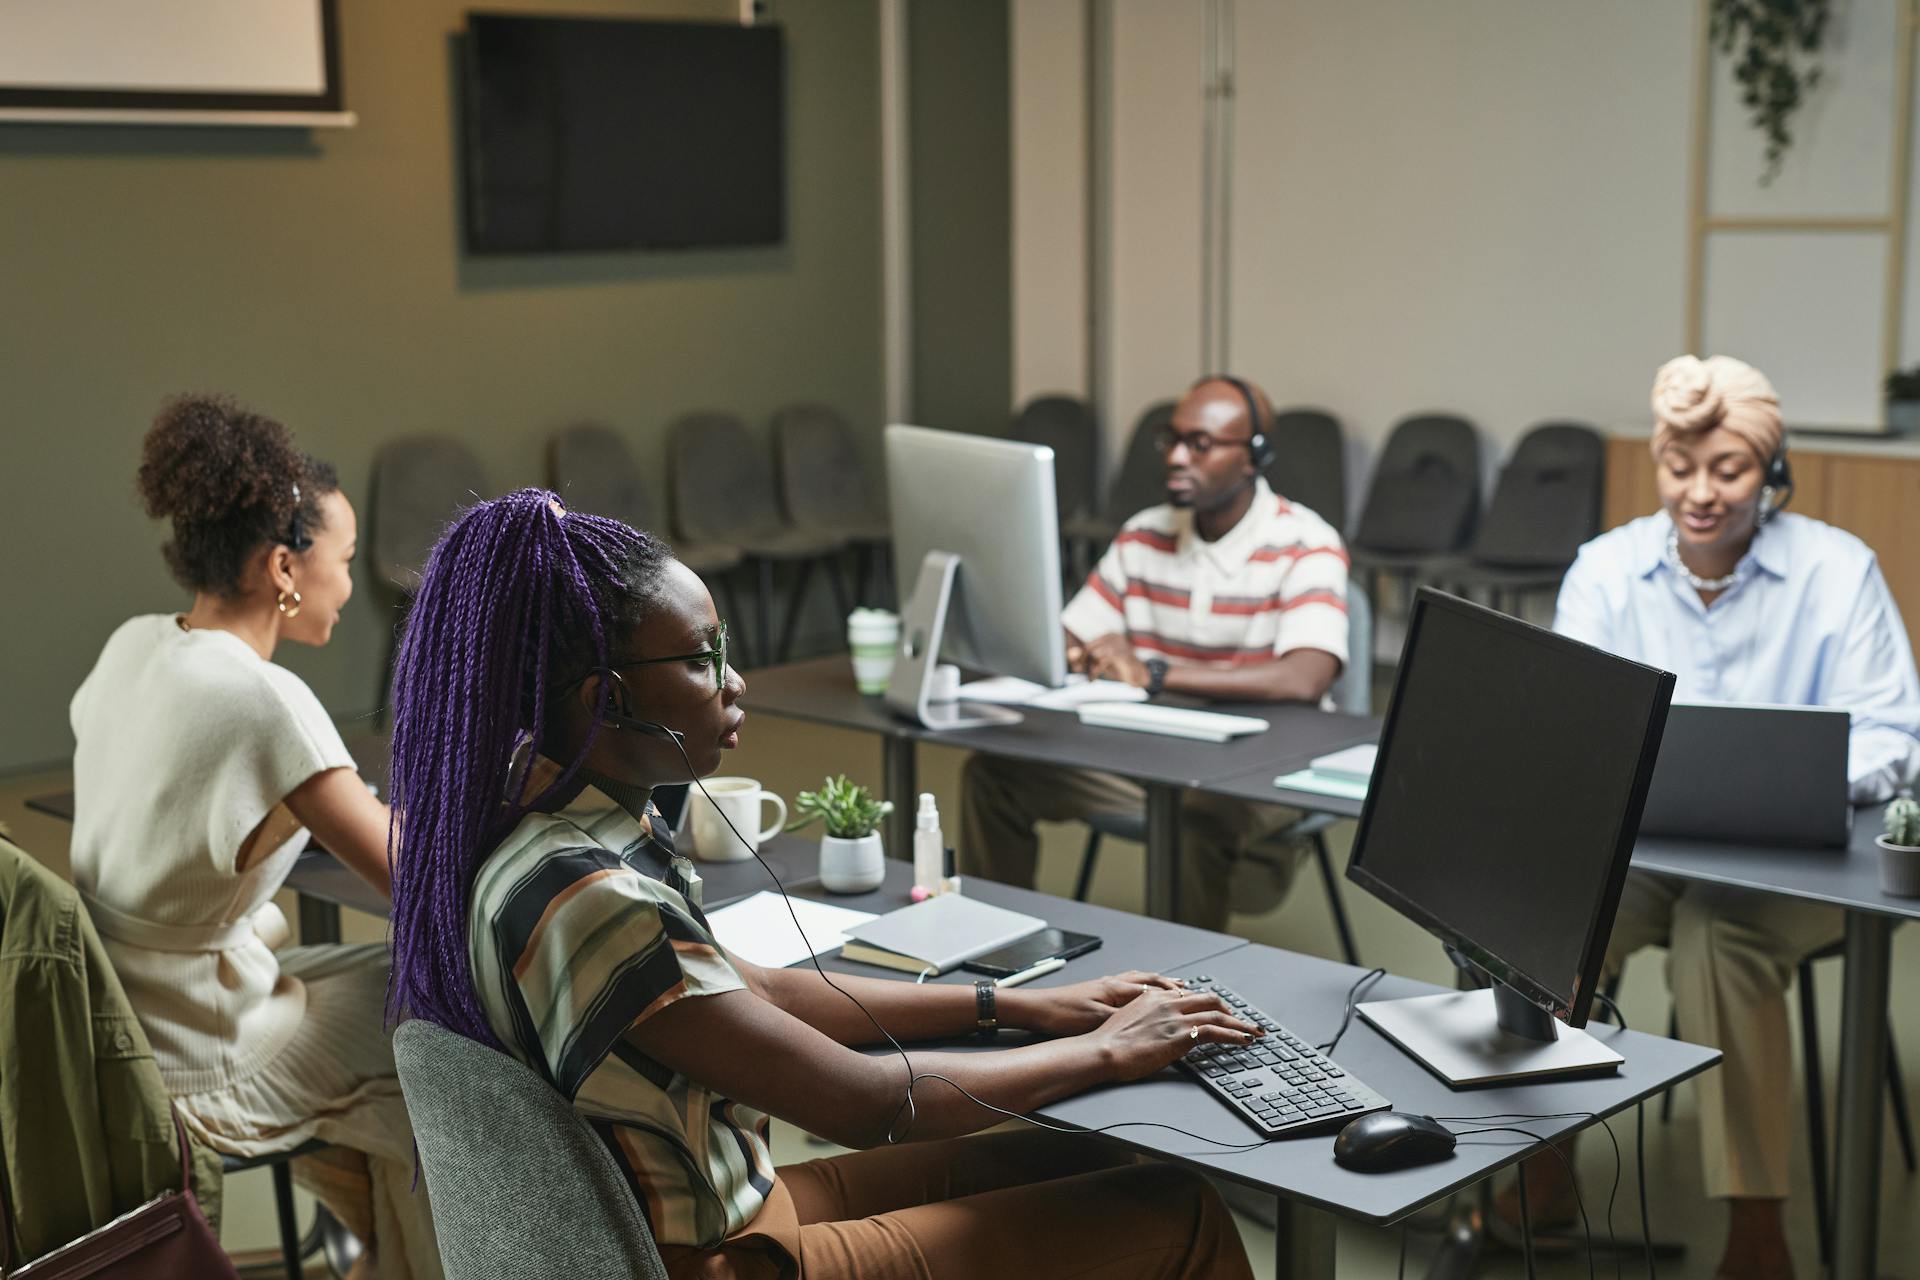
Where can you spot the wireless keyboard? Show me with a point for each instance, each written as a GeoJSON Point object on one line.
{"type": "Point", "coordinates": [1279, 1084]}
{"type": "Point", "coordinates": [1173, 722]}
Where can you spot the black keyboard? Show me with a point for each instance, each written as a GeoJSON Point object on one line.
{"type": "Point", "coordinates": [1279, 1084]}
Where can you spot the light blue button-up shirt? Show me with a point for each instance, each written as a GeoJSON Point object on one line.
{"type": "Point", "coordinates": [1807, 622]}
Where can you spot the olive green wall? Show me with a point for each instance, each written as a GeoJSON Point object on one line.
{"type": "Point", "coordinates": [318, 276]}
{"type": "Point", "coordinates": [962, 193]}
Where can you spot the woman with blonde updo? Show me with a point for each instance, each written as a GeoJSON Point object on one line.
{"type": "Point", "coordinates": [1744, 603]}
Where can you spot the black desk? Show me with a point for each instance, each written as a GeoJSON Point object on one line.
{"type": "Point", "coordinates": [822, 691]}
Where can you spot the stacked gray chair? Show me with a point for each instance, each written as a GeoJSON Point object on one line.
{"type": "Point", "coordinates": [1423, 502]}
{"type": "Point", "coordinates": [1352, 693]}
{"type": "Point", "coordinates": [592, 470]}
{"type": "Point", "coordinates": [521, 1185]}
{"type": "Point", "coordinates": [723, 490]}
{"type": "Point", "coordinates": [825, 486]}
{"type": "Point", "coordinates": [1545, 506]}
{"type": "Point", "coordinates": [1310, 463]}
{"type": "Point", "coordinates": [420, 484]}
{"type": "Point", "coordinates": [1141, 483]}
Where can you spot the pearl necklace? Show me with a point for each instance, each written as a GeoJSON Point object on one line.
{"type": "Point", "coordinates": [1693, 579]}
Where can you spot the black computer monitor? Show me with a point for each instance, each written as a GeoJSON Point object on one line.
{"type": "Point", "coordinates": [1505, 799]}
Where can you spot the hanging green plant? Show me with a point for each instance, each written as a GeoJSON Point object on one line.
{"type": "Point", "coordinates": [1774, 46]}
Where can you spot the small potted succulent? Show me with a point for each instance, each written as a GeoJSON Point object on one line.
{"type": "Point", "coordinates": [1903, 400]}
{"type": "Point", "coordinates": [1900, 849]}
{"type": "Point", "coordinates": [851, 857]}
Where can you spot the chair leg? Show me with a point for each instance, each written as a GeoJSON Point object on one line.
{"type": "Point", "coordinates": [289, 1227]}
{"type": "Point", "coordinates": [1816, 1112]}
{"type": "Point", "coordinates": [763, 611]}
{"type": "Point", "coordinates": [1084, 881]}
{"type": "Point", "coordinates": [1348, 950]}
{"type": "Point", "coordinates": [795, 602]}
{"type": "Point", "coordinates": [1897, 1090]}
{"type": "Point", "coordinates": [1666, 1101]}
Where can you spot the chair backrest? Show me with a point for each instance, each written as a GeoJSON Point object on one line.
{"type": "Point", "coordinates": [1142, 481]}
{"type": "Point", "coordinates": [420, 484]}
{"type": "Point", "coordinates": [592, 470]}
{"type": "Point", "coordinates": [1425, 492]}
{"type": "Point", "coordinates": [823, 479]}
{"type": "Point", "coordinates": [520, 1184]}
{"type": "Point", "coordinates": [1310, 463]}
{"type": "Point", "coordinates": [721, 480]}
{"type": "Point", "coordinates": [1353, 691]}
{"type": "Point", "coordinates": [1547, 501]}
{"type": "Point", "coordinates": [1066, 424]}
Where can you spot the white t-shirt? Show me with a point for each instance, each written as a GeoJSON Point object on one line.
{"type": "Point", "coordinates": [184, 742]}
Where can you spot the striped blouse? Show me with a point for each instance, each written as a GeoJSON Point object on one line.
{"type": "Point", "coordinates": [575, 940]}
{"type": "Point", "coordinates": [1275, 582]}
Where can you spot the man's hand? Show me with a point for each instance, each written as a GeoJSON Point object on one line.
{"type": "Point", "coordinates": [1079, 1007]}
{"type": "Point", "coordinates": [1112, 658]}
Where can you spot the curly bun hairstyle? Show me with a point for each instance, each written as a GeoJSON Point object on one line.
{"type": "Point", "coordinates": [226, 477]}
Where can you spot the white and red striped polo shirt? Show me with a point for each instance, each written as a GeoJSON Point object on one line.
{"type": "Point", "coordinates": [1275, 582]}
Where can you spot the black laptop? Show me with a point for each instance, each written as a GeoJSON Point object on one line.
{"type": "Point", "coordinates": [1764, 775]}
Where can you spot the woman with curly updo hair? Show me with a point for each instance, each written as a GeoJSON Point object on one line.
{"type": "Point", "coordinates": [201, 770]}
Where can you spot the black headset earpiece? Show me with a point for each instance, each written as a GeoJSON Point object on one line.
{"type": "Point", "coordinates": [1260, 444]}
{"type": "Point", "coordinates": [620, 711]}
{"type": "Point", "coordinates": [1777, 490]}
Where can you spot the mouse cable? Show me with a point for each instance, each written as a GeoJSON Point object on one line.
{"type": "Point", "coordinates": [1613, 1193]}
{"type": "Point", "coordinates": [1639, 1145]}
{"type": "Point", "coordinates": [894, 1133]}
{"type": "Point", "coordinates": [1573, 1181]}
{"type": "Point", "coordinates": [1366, 979]}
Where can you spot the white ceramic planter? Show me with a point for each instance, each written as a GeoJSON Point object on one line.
{"type": "Point", "coordinates": [852, 866]}
{"type": "Point", "coordinates": [1899, 868]}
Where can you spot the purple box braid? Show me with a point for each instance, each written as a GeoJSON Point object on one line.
{"type": "Point", "coordinates": [517, 595]}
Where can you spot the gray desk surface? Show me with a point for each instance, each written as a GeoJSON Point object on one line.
{"type": "Point", "coordinates": [1307, 995]}
{"type": "Point", "coordinates": [822, 691]}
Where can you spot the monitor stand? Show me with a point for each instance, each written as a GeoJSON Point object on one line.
{"type": "Point", "coordinates": [1487, 1036]}
{"type": "Point", "coordinates": [924, 621]}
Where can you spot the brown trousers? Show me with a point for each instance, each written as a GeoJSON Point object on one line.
{"type": "Point", "coordinates": [1027, 1203]}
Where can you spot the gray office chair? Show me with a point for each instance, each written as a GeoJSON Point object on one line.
{"type": "Point", "coordinates": [1352, 693]}
{"type": "Point", "coordinates": [1065, 424]}
{"type": "Point", "coordinates": [1545, 506]}
{"type": "Point", "coordinates": [420, 485]}
{"type": "Point", "coordinates": [1140, 483]}
{"type": "Point", "coordinates": [521, 1185]}
{"type": "Point", "coordinates": [592, 470]}
{"type": "Point", "coordinates": [723, 490]}
{"type": "Point", "coordinates": [1422, 503]}
{"type": "Point", "coordinates": [1310, 463]}
{"type": "Point", "coordinates": [825, 486]}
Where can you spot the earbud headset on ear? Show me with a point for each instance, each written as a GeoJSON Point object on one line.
{"type": "Point", "coordinates": [297, 538]}
{"type": "Point", "coordinates": [1260, 445]}
{"type": "Point", "coordinates": [620, 711]}
{"type": "Point", "coordinates": [1776, 491]}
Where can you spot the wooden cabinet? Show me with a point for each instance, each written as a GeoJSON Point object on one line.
{"type": "Point", "coordinates": [1873, 495]}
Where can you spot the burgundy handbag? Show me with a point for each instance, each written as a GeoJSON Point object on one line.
{"type": "Point", "coordinates": [167, 1236]}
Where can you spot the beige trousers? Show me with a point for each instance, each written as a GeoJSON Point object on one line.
{"type": "Point", "coordinates": [1001, 799]}
{"type": "Point", "coordinates": [1731, 954]}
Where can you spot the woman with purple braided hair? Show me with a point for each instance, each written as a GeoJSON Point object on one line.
{"type": "Point", "coordinates": [556, 667]}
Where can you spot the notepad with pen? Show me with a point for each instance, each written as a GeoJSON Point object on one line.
{"type": "Point", "coordinates": [938, 935]}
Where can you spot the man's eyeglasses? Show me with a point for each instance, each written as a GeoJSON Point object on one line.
{"type": "Point", "coordinates": [715, 657]}
{"type": "Point", "coordinates": [1199, 443]}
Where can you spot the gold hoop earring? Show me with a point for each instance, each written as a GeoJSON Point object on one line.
{"type": "Point", "coordinates": [292, 612]}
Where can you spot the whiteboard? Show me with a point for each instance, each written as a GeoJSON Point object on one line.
{"type": "Point", "coordinates": [112, 57]}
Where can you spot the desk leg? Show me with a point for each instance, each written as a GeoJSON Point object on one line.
{"type": "Point", "coordinates": [1863, 1066]}
{"type": "Point", "coordinates": [900, 783]}
{"type": "Point", "coordinates": [1163, 850]}
{"type": "Point", "coordinates": [1303, 1243]}
{"type": "Point", "coordinates": [319, 921]}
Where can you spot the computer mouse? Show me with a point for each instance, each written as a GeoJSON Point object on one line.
{"type": "Point", "coordinates": [1388, 1140]}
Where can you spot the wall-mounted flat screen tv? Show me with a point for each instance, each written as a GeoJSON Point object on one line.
{"type": "Point", "coordinates": [599, 134]}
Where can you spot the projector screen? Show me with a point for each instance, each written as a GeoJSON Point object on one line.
{"type": "Point", "coordinates": [133, 59]}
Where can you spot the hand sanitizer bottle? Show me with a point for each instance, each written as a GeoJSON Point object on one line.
{"type": "Point", "coordinates": [928, 846]}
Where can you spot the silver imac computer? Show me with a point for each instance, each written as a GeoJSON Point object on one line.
{"type": "Point", "coordinates": [976, 547]}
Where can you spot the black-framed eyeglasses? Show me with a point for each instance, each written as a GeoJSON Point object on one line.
{"type": "Point", "coordinates": [1199, 443]}
{"type": "Point", "coordinates": [715, 657]}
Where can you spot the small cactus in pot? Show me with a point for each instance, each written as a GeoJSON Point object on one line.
{"type": "Point", "coordinates": [1900, 849]}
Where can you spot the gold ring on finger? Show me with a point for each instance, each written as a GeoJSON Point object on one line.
{"type": "Point", "coordinates": [1193, 1033]}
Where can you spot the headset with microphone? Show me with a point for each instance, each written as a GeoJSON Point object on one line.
{"type": "Point", "coordinates": [1260, 445]}
{"type": "Point", "coordinates": [1776, 491]}
{"type": "Point", "coordinates": [619, 713]}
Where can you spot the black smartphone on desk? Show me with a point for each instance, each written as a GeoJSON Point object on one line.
{"type": "Point", "coordinates": [1017, 957]}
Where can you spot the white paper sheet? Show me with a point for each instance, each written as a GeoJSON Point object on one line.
{"type": "Point", "coordinates": [759, 928]}
{"type": "Point", "coordinates": [1014, 692]}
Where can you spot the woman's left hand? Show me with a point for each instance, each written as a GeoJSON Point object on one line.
{"type": "Point", "coordinates": [1077, 1008]}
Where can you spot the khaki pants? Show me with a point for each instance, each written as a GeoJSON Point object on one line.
{"type": "Point", "coordinates": [1015, 1204]}
{"type": "Point", "coordinates": [1001, 799]}
{"type": "Point", "coordinates": [1731, 954]}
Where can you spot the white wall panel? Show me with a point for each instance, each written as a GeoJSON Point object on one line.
{"type": "Point", "coordinates": [1049, 197]}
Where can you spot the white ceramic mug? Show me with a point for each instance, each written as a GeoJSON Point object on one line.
{"type": "Point", "coordinates": [739, 799]}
